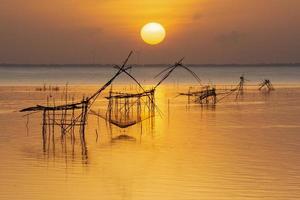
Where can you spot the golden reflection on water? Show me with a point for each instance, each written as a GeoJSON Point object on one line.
{"type": "Point", "coordinates": [236, 150]}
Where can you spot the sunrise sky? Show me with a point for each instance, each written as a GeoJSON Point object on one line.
{"type": "Point", "coordinates": [104, 31]}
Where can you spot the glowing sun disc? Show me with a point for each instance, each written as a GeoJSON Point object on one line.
{"type": "Point", "coordinates": [153, 33]}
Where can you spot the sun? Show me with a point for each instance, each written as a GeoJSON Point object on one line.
{"type": "Point", "coordinates": [153, 33]}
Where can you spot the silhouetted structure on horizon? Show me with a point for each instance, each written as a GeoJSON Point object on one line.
{"type": "Point", "coordinates": [266, 84]}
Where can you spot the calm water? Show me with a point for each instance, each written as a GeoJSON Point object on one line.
{"type": "Point", "coordinates": [238, 150]}
{"type": "Point", "coordinates": [95, 75]}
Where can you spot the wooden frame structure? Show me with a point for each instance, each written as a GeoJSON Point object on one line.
{"type": "Point", "coordinates": [127, 109]}
{"type": "Point", "coordinates": [266, 84]}
{"type": "Point", "coordinates": [207, 95]}
{"type": "Point", "coordinates": [69, 115]}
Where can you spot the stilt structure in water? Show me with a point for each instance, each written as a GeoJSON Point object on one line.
{"type": "Point", "coordinates": [207, 95]}
{"type": "Point", "coordinates": [239, 90]}
{"type": "Point", "coordinates": [127, 109]}
{"type": "Point", "coordinates": [266, 84]}
{"type": "Point", "coordinates": [69, 117]}
{"type": "Point", "coordinates": [240, 87]}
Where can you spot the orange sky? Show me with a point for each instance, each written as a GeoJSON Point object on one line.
{"type": "Point", "coordinates": [103, 31]}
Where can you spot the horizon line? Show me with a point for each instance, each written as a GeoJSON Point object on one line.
{"type": "Point", "coordinates": [149, 64]}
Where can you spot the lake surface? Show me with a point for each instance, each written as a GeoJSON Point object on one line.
{"type": "Point", "coordinates": [92, 75]}
{"type": "Point", "coordinates": [245, 149]}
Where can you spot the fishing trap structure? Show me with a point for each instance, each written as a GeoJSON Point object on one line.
{"type": "Point", "coordinates": [208, 95]}
{"type": "Point", "coordinates": [267, 85]}
{"type": "Point", "coordinates": [128, 109]}
{"type": "Point", "coordinates": [69, 118]}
